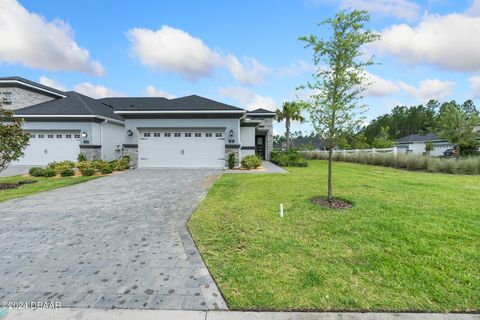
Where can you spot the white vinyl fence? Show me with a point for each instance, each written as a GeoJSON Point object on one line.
{"type": "Point", "coordinates": [395, 151]}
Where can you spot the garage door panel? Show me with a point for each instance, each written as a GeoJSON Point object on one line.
{"type": "Point", "coordinates": [185, 151]}
{"type": "Point", "coordinates": [48, 146]}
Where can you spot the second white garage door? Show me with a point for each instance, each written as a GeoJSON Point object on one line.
{"type": "Point", "coordinates": [181, 148]}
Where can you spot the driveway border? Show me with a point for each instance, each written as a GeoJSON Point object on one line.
{"type": "Point", "coordinates": [128, 314]}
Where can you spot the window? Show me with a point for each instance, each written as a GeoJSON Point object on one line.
{"type": "Point", "coordinates": [68, 136]}
{"type": "Point", "coordinates": [77, 136]}
{"type": "Point", "coordinates": [168, 134]}
{"type": "Point", "coordinates": [50, 136]}
{"type": "Point", "coordinates": [177, 134]}
{"type": "Point", "coordinates": [198, 134]}
{"type": "Point", "coordinates": [59, 136]}
{"type": "Point", "coordinates": [208, 135]}
{"type": "Point", "coordinates": [188, 134]}
{"type": "Point", "coordinates": [218, 134]}
{"type": "Point", "coordinates": [32, 136]}
{"type": "Point", "coordinates": [156, 134]}
{"type": "Point", "coordinates": [146, 134]}
{"type": "Point", "coordinates": [6, 98]}
{"type": "Point", "coordinates": [41, 136]}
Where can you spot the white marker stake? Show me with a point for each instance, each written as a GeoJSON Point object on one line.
{"type": "Point", "coordinates": [281, 210]}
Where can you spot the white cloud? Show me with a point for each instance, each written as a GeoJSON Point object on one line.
{"type": "Point", "coordinates": [474, 9]}
{"type": "Point", "coordinates": [29, 39]}
{"type": "Point", "coordinates": [151, 91]}
{"type": "Point", "coordinates": [97, 91]}
{"type": "Point", "coordinates": [296, 68]}
{"type": "Point", "coordinates": [475, 86]}
{"type": "Point", "coordinates": [52, 83]}
{"type": "Point", "coordinates": [249, 99]}
{"type": "Point", "coordinates": [445, 41]}
{"type": "Point", "coordinates": [250, 72]}
{"type": "Point", "coordinates": [429, 89]}
{"type": "Point", "coordinates": [402, 9]}
{"type": "Point", "coordinates": [380, 87]}
{"type": "Point", "coordinates": [174, 50]}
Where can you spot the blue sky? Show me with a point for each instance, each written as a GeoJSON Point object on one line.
{"type": "Point", "coordinates": [245, 53]}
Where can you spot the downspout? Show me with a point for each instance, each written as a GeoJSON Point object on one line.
{"type": "Point", "coordinates": [101, 138]}
{"type": "Point", "coordinates": [240, 143]}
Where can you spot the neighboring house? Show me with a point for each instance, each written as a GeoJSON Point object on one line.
{"type": "Point", "coordinates": [415, 143]}
{"type": "Point", "coordinates": [189, 131]}
{"type": "Point", "coordinates": [17, 92]}
{"type": "Point", "coordinates": [62, 128]}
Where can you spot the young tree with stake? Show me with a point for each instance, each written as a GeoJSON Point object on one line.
{"type": "Point", "coordinates": [341, 78]}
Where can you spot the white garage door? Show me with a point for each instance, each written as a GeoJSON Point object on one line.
{"type": "Point", "coordinates": [181, 148]}
{"type": "Point", "coordinates": [48, 146]}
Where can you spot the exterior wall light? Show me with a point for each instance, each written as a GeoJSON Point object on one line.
{"type": "Point", "coordinates": [231, 133]}
{"type": "Point", "coordinates": [84, 134]}
{"type": "Point", "coordinates": [129, 133]}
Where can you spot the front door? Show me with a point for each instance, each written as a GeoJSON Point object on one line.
{"type": "Point", "coordinates": [260, 146]}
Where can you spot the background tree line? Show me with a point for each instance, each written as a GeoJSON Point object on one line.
{"type": "Point", "coordinates": [449, 120]}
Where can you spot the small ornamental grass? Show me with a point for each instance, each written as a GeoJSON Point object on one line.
{"type": "Point", "coordinates": [469, 166]}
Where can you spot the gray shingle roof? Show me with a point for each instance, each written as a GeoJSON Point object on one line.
{"type": "Point", "coordinates": [261, 110]}
{"type": "Point", "coordinates": [73, 104]}
{"type": "Point", "coordinates": [32, 83]}
{"type": "Point", "coordinates": [419, 138]}
{"type": "Point", "coordinates": [188, 103]}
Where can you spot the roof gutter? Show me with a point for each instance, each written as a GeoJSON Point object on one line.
{"type": "Point", "coordinates": [67, 116]}
{"type": "Point", "coordinates": [178, 111]}
{"type": "Point", "coordinates": [32, 86]}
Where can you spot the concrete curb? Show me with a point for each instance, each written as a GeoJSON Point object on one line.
{"type": "Point", "coordinates": [128, 314]}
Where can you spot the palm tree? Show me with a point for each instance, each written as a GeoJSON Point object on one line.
{"type": "Point", "coordinates": [291, 111]}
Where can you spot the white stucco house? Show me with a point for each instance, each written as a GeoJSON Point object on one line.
{"type": "Point", "coordinates": [416, 143]}
{"type": "Point", "coordinates": [187, 132]}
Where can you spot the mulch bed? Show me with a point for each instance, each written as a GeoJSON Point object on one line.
{"type": "Point", "coordinates": [6, 186]}
{"type": "Point", "coordinates": [334, 204]}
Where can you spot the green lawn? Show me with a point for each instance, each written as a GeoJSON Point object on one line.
{"type": "Point", "coordinates": [411, 242]}
{"type": "Point", "coordinates": [42, 184]}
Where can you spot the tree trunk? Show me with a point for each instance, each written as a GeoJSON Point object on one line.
{"type": "Point", "coordinates": [287, 133]}
{"type": "Point", "coordinates": [330, 163]}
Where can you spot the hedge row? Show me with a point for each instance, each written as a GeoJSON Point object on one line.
{"type": "Point", "coordinates": [85, 167]}
{"type": "Point", "coordinates": [411, 162]}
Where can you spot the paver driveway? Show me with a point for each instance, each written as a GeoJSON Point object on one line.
{"type": "Point", "coordinates": [119, 241]}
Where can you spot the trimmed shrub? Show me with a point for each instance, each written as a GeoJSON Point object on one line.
{"type": "Point", "coordinates": [87, 171]}
{"type": "Point", "coordinates": [251, 162]}
{"type": "Point", "coordinates": [122, 164]}
{"type": "Point", "coordinates": [37, 172]}
{"type": "Point", "coordinates": [231, 160]}
{"type": "Point", "coordinates": [33, 170]}
{"type": "Point", "coordinates": [99, 164]}
{"type": "Point", "coordinates": [81, 157]}
{"type": "Point", "coordinates": [67, 172]}
{"type": "Point", "coordinates": [50, 172]}
{"type": "Point", "coordinates": [85, 165]}
{"type": "Point", "coordinates": [106, 170]}
{"type": "Point", "coordinates": [288, 159]}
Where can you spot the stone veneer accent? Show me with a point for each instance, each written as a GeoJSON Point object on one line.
{"type": "Point", "coordinates": [131, 150]}
{"type": "Point", "coordinates": [23, 98]}
{"type": "Point", "coordinates": [92, 152]}
{"type": "Point", "coordinates": [236, 150]}
{"type": "Point", "coordinates": [268, 124]}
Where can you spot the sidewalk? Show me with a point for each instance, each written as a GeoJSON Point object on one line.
{"type": "Point", "coordinates": [128, 314]}
{"type": "Point", "coordinates": [267, 167]}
